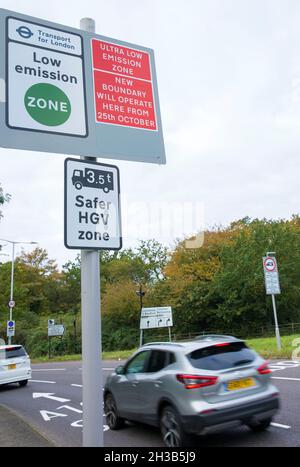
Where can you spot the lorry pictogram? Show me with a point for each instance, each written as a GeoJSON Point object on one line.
{"type": "Point", "coordinates": [93, 178]}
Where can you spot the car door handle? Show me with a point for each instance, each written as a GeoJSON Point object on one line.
{"type": "Point", "coordinates": [157, 384]}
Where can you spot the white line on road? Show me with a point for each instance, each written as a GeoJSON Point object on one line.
{"type": "Point", "coordinates": [279, 425]}
{"type": "Point", "coordinates": [39, 381]}
{"type": "Point", "coordinates": [284, 377]}
{"type": "Point", "coordinates": [49, 369]}
{"type": "Point", "coordinates": [77, 385]}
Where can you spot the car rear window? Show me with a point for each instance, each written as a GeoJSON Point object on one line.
{"type": "Point", "coordinates": [221, 357]}
{"type": "Point", "coordinates": [12, 352]}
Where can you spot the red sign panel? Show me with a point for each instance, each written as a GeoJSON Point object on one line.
{"type": "Point", "coordinates": [122, 86]}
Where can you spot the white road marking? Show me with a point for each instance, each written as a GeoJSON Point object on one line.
{"type": "Point", "coordinates": [39, 381]}
{"type": "Point", "coordinates": [68, 407]}
{"type": "Point", "coordinates": [105, 369]}
{"type": "Point", "coordinates": [50, 395]}
{"type": "Point", "coordinates": [49, 369]}
{"type": "Point", "coordinates": [284, 377]}
{"type": "Point", "coordinates": [77, 385]}
{"type": "Point", "coordinates": [279, 425]}
{"type": "Point", "coordinates": [47, 415]}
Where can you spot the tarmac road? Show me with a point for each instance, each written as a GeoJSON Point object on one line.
{"type": "Point", "coordinates": [52, 404]}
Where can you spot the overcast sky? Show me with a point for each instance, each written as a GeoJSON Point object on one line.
{"type": "Point", "coordinates": [229, 84]}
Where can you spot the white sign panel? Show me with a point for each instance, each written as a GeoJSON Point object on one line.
{"type": "Point", "coordinates": [45, 79]}
{"type": "Point", "coordinates": [160, 317]}
{"type": "Point", "coordinates": [92, 206]}
{"type": "Point", "coordinates": [10, 328]}
{"type": "Point", "coordinates": [56, 330]}
{"type": "Point", "coordinates": [271, 275]}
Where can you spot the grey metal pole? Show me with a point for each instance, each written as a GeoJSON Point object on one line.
{"type": "Point", "coordinates": [170, 335]}
{"type": "Point", "coordinates": [11, 287]}
{"type": "Point", "coordinates": [277, 332]}
{"type": "Point", "coordinates": [92, 394]}
{"type": "Point", "coordinates": [141, 338]}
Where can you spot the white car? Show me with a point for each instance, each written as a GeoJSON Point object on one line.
{"type": "Point", "coordinates": [14, 365]}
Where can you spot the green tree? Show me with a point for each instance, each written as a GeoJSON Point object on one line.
{"type": "Point", "coordinates": [4, 198]}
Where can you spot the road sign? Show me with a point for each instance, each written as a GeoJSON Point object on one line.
{"type": "Point", "coordinates": [159, 317]}
{"type": "Point", "coordinates": [92, 206]}
{"type": "Point", "coordinates": [45, 79]}
{"type": "Point", "coordinates": [51, 322]}
{"type": "Point", "coordinates": [71, 91]}
{"type": "Point", "coordinates": [56, 330]}
{"type": "Point", "coordinates": [123, 86]}
{"type": "Point", "coordinates": [271, 275]}
{"type": "Point", "coordinates": [11, 304]}
{"type": "Point", "coordinates": [10, 328]}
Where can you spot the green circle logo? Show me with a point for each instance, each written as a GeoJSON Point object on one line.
{"type": "Point", "coordinates": [47, 104]}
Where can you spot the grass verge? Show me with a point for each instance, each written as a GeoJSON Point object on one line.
{"type": "Point", "coordinates": [268, 349]}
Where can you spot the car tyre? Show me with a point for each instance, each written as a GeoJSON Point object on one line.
{"type": "Point", "coordinates": [260, 426]}
{"type": "Point", "coordinates": [112, 418]}
{"type": "Point", "coordinates": [172, 430]}
{"type": "Point", "coordinates": [78, 185]}
{"type": "Point", "coordinates": [23, 383]}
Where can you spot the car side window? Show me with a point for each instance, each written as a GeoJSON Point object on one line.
{"type": "Point", "coordinates": [138, 363]}
{"type": "Point", "coordinates": [159, 360]}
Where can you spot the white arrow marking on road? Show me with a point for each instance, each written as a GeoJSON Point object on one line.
{"type": "Point", "coordinates": [78, 424]}
{"type": "Point", "coordinates": [68, 407]}
{"type": "Point", "coordinates": [47, 415]}
{"type": "Point", "coordinates": [50, 395]}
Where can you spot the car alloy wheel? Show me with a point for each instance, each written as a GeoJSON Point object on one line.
{"type": "Point", "coordinates": [113, 420]}
{"type": "Point", "coordinates": [170, 428]}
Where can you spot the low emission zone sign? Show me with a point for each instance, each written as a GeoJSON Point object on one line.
{"type": "Point", "coordinates": [45, 79]}
{"type": "Point", "coordinates": [73, 92]}
{"type": "Point", "coordinates": [92, 206]}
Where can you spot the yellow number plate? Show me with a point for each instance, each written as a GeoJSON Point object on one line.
{"type": "Point", "coordinates": [240, 384]}
{"type": "Point", "coordinates": [12, 367]}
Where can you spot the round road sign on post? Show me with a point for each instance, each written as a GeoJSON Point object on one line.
{"type": "Point", "coordinates": [11, 304]}
{"type": "Point", "coordinates": [270, 264]}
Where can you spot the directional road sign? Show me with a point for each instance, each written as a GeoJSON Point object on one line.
{"type": "Point", "coordinates": [159, 317]}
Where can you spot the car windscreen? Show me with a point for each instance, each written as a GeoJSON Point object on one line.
{"type": "Point", "coordinates": [221, 356]}
{"type": "Point", "coordinates": [12, 352]}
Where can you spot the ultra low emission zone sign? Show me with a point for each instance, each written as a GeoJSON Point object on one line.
{"type": "Point", "coordinates": [271, 275]}
{"type": "Point", "coordinates": [69, 91]}
{"type": "Point", "coordinates": [92, 205]}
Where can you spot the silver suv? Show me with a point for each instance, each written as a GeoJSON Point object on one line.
{"type": "Point", "coordinates": [189, 388]}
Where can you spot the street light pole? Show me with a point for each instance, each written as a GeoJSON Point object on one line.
{"type": "Point", "coordinates": [11, 300]}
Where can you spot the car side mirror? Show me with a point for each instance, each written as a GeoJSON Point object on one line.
{"type": "Point", "coordinates": [120, 370]}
